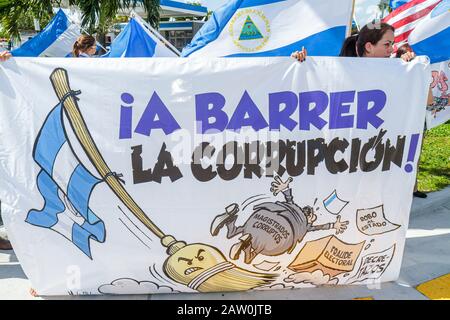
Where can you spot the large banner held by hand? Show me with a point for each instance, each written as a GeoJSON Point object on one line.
{"type": "Point", "coordinates": [163, 175]}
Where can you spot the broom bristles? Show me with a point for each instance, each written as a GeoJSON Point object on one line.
{"type": "Point", "coordinates": [218, 274]}
{"type": "Point", "coordinates": [236, 279]}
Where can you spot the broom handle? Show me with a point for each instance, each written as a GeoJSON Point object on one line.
{"type": "Point", "coordinates": [60, 82]}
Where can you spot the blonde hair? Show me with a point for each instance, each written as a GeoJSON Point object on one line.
{"type": "Point", "coordinates": [83, 43]}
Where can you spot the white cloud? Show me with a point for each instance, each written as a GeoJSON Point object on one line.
{"type": "Point", "coordinates": [276, 286]}
{"type": "Point", "coordinates": [366, 11]}
{"type": "Point", "coordinates": [131, 286]}
{"type": "Point", "coordinates": [317, 278]}
{"type": "Point", "coordinates": [212, 4]}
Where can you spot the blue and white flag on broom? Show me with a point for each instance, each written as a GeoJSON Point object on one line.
{"type": "Point", "coordinates": [66, 186]}
{"type": "Point", "coordinates": [55, 40]}
{"type": "Point", "coordinates": [273, 28]}
{"type": "Point", "coordinates": [431, 37]}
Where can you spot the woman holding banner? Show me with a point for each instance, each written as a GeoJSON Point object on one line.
{"type": "Point", "coordinates": [373, 41]}
{"type": "Point", "coordinates": [378, 42]}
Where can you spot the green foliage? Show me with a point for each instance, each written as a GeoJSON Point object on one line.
{"type": "Point", "coordinates": [16, 15]}
{"type": "Point", "coordinates": [98, 15]}
{"type": "Point", "coordinates": [384, 7]}
{"type": "Point", "coordinates": [27, 21]}
{"type": "Point", "coordinates": [434, 166]}
{"type": "Point", "coordinates": [121, 19]}
{"type": "Point", "coordinates": [3, 33]}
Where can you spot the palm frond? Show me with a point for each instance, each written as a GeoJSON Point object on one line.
{"type": "Point", "coordinates": [14, 12]}
{"type": "Point", "coordinates": [96, 14]}
{"type": "Point", "coordinates": [152, 8]}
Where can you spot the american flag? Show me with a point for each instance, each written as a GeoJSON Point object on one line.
{"type": "Point", "coordinates": [405, 18]}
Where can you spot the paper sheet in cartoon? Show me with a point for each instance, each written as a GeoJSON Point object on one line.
{"type": "Point", "coordinates": [274, 227]}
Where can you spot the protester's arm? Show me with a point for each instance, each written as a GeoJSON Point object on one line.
{"type": "Point", "coordinates": [408, 56]}
{"type": "Point", "coordinates": [5, 55]}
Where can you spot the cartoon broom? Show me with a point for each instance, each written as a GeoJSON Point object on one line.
{"type": "Point", "coordinates": [199, 266]}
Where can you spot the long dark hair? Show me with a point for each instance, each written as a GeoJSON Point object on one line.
{"type": "Point", "coordinates": [355, 45]}
{"type": "Point", "coordinates": [83, 43]}
{"type": "Point", "coordinates": [349, 47]}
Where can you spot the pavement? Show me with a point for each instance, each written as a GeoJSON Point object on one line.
{"type": "Point", "coordinates": [425, 272]}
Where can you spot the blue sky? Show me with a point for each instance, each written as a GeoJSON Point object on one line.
{"type": "Point", "coordinates": [213, 4]}
{"type": "Point", "coordinates": [365, 10]}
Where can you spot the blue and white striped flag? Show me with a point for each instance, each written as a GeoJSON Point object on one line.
{"type": "Point", "coordinates": [66, 186]}
{"type": "Point", "coordinates": [431, 37]}
{"type": "Point", "coordinates": [55, 40]}
{"type": "Point", "coordinates": [136, 41]}
{"type": "Point", "coordinates": [273, 28]}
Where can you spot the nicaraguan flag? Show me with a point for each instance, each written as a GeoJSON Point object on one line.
{"type": "Point", "coordinates": [431, 37]}
{"type": "Point", "coordinates": [66, 186]}
{"type": "Point", "coordinates": [55, 40]}
{"type": "Point", "coordinates": [273, 28]}
{"type": "Point", "coordinates": [136, 41]}
{"type": "Point", "coordinates": [333, 204]}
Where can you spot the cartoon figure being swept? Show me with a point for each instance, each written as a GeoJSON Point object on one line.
{"type": "Point", "coordinates": [274, 227]}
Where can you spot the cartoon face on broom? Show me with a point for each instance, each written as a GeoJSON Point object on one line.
{"type": "Point", "coordinates": [199, 266]}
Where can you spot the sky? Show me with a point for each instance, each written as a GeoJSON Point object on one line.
{"type": "Point", "coordinates": [365, 10]}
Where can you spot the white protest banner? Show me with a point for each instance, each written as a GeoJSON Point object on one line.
{"type": "Point", "coordinates": [439, 112]}
{"type": "Point", "coordinates": [186, 175]}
